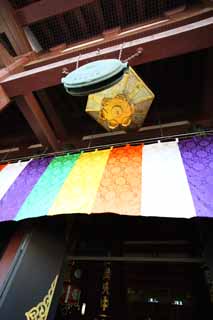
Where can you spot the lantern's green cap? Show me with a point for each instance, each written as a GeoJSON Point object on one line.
{"type": "Point", "coordinates": [93, 73]}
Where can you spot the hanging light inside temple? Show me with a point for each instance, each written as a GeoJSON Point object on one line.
{"type": "Point", "coordinates": [117, 96]}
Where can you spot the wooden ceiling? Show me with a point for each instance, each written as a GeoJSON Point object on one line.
{"type": "Point", "coordinates": [90, 19]}
{"type": "Point", "coordinates": [175, 68]}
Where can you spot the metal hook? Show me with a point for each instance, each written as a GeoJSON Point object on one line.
{"type": "Point", "coordinates": [65, 71]}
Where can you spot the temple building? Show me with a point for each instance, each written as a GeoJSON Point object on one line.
{"type": "Point", "coordinates": [106, 159]}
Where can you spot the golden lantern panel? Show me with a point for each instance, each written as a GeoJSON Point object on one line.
{"type": "Point", "coordinates": [124, 105]}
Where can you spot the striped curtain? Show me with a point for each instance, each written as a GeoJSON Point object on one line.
{"type": "Point", "coordinates": [171, 179]}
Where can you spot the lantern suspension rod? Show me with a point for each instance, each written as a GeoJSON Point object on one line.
{"type": "Point", "coordinates": [121, 50]}
{"type": "Point", "coordinates": [138, 52]}
{"type": "Point", "coordinates": [77, 62]}
{"type": "Point", "coordinates": [106, 146]}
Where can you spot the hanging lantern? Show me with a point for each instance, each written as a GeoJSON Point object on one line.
{"type": "Point", "coordinates": [117, 96]}
{"type": "Point", "coordinates": [94, 77]}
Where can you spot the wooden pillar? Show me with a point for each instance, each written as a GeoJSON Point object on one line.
{"type": "Point", "coordinates": [52, 115]}
{"type": "Point", "coordinates": [9, 254]}
{"type": "Point", "coordinates": [4, 99]}
{"type": "Point", "coordinates": [5, 58]}
{"type": "Point", "coordinates": [12, 29]}
{"type": "Point", "coordinates": [33, 113]}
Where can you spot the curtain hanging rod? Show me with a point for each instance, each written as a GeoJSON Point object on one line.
{"type": "Point", "coordinates": [106, 146]}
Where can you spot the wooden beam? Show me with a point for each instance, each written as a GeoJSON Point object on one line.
{"type": "Point", "coordinates": [33, 113]}
{"type": "Point", "coordinates": [5, 58]}
{"type": "Point", "coordinates": [58, 48]}
{"type": "Point", "coordinates": [43, 9]}
{"type": "Point", "coordinates": [172, 12]}
{"type": "Point", "coordinates": [11, 65]}
{"type": "Point", "coordinates": [16, 66]}
{"type": "Point", "coordinates": [13, 30]}
{"type": "Point", "coordinates": [174, 42]}
{"type": "Point", "coordinates": [111, 34]}
{"type": "Point", "coordinates": [184, 18]}
{"type": "Point", "coordinates": [137, 259]}
{"type": "Point", "coordinates": [4, 99]}
{"type": "Point", "coordinates": [20, 152]}
{"type": "Point", "coordinates": [52, 115]}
